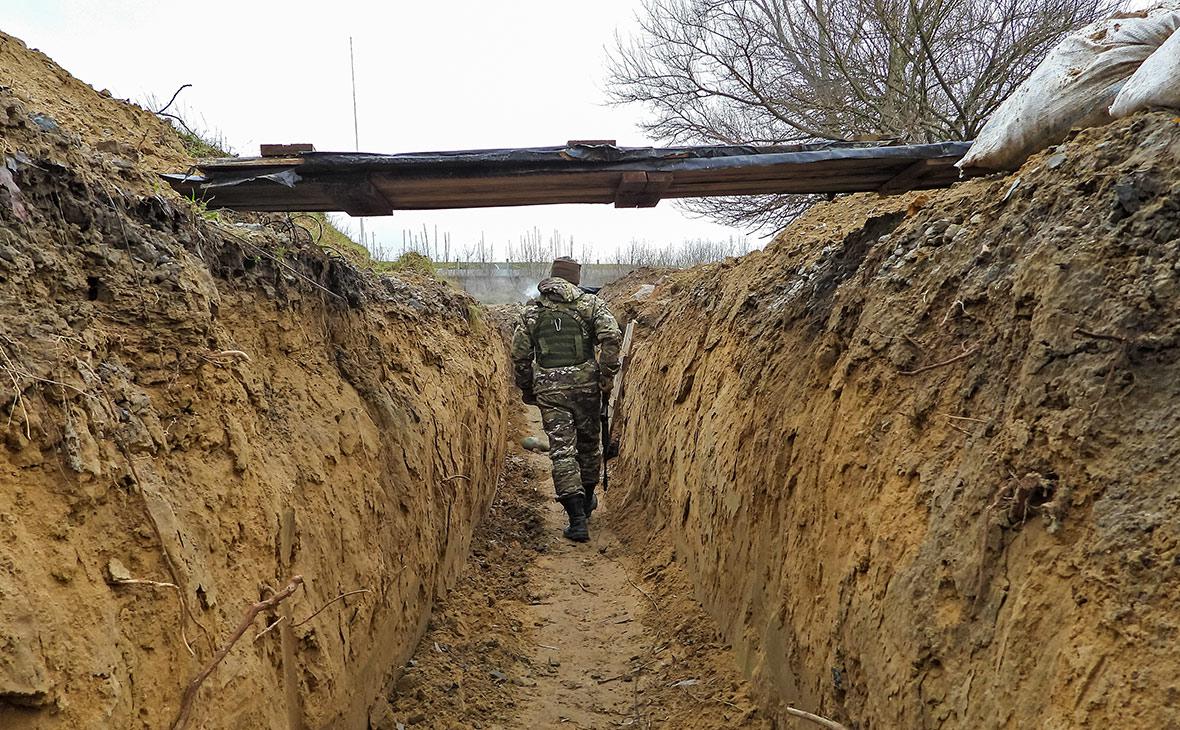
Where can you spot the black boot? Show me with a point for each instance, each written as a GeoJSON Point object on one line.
{"type": "Point", "coordinates": [575, 508]}
{"type": "Point", "coordinates": [591, 502]}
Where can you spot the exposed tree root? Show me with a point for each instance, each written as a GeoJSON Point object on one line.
{"type": "Point", "coordinates": [190, 693]}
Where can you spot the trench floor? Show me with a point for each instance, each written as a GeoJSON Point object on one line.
{"type": "Point", "coordinates": [544, 633]}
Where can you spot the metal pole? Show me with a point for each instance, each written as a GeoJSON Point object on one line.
{"type": "Point", "coordinates": [356, 137]}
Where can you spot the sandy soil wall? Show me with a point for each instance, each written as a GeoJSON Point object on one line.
{"type": "Point", "coordinates": [218, 404]}
{"type": "Point", "coordinates": [920, 455]}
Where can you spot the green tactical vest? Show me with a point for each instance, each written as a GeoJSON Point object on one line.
{"type": "Point", "coordinates": [562, 337]}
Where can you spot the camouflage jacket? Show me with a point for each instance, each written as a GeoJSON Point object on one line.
{"type": "Point", "coordinates": [555, 292]}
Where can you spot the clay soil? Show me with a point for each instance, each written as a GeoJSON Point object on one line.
{"type": "Point", "coordinates": [541, 632]}
{"type": "Point", "coordinates": [919, 456]}
{"type": "Point", "coordinates": [197, 407]}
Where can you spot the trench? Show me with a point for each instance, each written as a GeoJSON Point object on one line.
{"type": "Point", "coordinates": [904, 465]}
{"type": "Point", "coordinates": [911, 466]}
{"type": "Point", "coordinates": [541, 632]}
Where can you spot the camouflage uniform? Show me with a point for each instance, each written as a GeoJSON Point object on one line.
{"type": "Point", "coordinates": [570, 396]}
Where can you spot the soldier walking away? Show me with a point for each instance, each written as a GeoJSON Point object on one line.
{"type": "Point", "coordinates": [554, 363]}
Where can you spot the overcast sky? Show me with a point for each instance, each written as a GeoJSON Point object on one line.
{"type": "Point", "coordinates": [430, 76]}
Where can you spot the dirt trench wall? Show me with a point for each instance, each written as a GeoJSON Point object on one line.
{"type": "Point", "coordinates": [920, 455]}
{"type": "Point", "coordinates": [211, 403]}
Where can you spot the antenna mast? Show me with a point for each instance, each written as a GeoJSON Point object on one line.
{"type": "Point", "coordinates": [356, 137]}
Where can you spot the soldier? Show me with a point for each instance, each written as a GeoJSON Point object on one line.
{"type": "Point", "coordinates": [559, 330]}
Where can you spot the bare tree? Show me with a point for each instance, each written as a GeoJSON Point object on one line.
{"type": "Point", "coordinates": [783, 71]}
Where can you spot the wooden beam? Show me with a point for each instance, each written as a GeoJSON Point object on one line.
{"type": "Point", "coordinates": [910, 176]}
{"type": "Point", "coordinates": [658, 184]}
{"type": "Point", "coordinates": [631, 186]}
{"type": "Point", "coordinates": [360, 197]}
{"type": "Point", "coordinates": [378, 185]}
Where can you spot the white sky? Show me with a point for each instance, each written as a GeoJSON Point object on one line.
{"type": "Point", "coordinates": [430, 76]}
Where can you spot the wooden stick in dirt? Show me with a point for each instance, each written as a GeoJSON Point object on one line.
{"type": "Point", "coordinates": [821, 721]}
{"type": "Point", "coordinates": [340, 597]}
{"type": "Point", "coordinates": [944, 363]}
{"type": "Point", "coordinates": [190, 692]}
{"type": "Point", "coordinates": [645, 593]}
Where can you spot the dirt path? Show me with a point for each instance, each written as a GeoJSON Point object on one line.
{"type": "Point", "coordinates": [587, 635]}
{"type": "Point", "coordinates": [542, 632]}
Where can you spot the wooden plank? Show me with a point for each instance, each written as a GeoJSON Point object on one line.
{"type": "Point", "coordinates": [236, 164]}
{"type": "Point", "coordinates": [810, 170]}
{"type": "Point", "coordinates": [459, 204]}
{"type": "Point", "coordinates": [765, 187]}
{"type": "Point", "coordinates": [285, 150]}
{"type": "Point", "coordinates": [293, 700]}
{"type": "Point", "coordinates": [624, 358]}
{"type": "Point", "coordinates": [393, 185]}
{"type": "Point", "coordinates": [601, 196]}
{"type": "Point", "coordinates": [591, 142]}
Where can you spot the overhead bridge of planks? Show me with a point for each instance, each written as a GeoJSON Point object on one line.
{"type": "Point", "coordinates": [297, 178]}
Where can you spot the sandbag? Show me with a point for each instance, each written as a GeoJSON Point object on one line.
{"type": "Point", "coordinates": [1073, 87]}
{"type": "Point", "coordinates": [1155, 85]}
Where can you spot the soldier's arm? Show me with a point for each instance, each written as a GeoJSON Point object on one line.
{"type": "Point", "coordinates": [522, 357]}
{"type": "Point", "coordinates": [609, 338]}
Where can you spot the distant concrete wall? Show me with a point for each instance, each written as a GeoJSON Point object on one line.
{"type": "Point", "coordinates": [505, 282]}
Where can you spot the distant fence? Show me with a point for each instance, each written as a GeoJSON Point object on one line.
{"type": "Point", "coordinates": [504, 282]}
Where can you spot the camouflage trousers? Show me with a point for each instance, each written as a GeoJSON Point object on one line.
{"type": "Point", "coordinates": [571, 420]}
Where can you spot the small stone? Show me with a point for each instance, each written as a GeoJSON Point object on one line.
{"type": "Point", "coordinates": [937, 228]}
{"type": "Point", "coordinates": [117, 572]}
{"type": "Point", "coordinates": [118, 149]}
{"type": "Point", "coordinates": [976, 219]}
{"type": "Point", "coordinates": [534, 444]}
{"type": "Point", "coordinates": [45, 123]}
{"type": "Point", "coordinates": [381, 715]}
{"type": "Point", "coordinates": [406, 683]}
{"type": "Point", "coordinates": [1011, 190]}
{"type": "Point", "coordinates": [1056, 161]}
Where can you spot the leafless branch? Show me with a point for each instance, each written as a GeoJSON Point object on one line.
{"type": "Point", "coordinates": [963, 356]}
{"type": "Point", "coordinates": [190, 692]}
{"type": "Point", "coordinates": [821, 721]}
{"type": "Point", "coordinates": [165, 108]}
{"type": "Point", "coordinates": [783, 71]}
{"type": "Point", "coordinates": [320, 610]}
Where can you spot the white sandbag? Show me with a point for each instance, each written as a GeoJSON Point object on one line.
{"type": "Point", "coordinates": [1155, 85]}
{"type": "Point", "coordinates": [1073, 87]}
